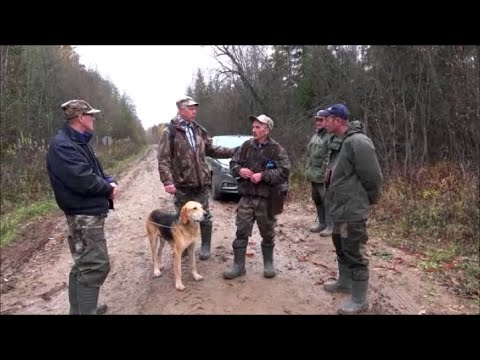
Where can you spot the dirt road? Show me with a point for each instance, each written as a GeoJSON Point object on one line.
{"type": "Point", "coordinates": [35, 269]}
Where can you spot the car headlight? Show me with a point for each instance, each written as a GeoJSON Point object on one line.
{"type": "Point", "coordinates": [225, 169]}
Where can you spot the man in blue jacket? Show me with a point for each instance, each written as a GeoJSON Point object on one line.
{"type": "Point", "coordinates": [85, 194]}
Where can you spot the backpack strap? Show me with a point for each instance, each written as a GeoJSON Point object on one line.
{"type": "Point", "coordinates": [173, 132]}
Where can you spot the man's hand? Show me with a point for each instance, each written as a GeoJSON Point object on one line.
{"type": "Point", "coordinates": [256, 178]}
{"type": "Point", "coordinates": [245, 173]}
{"type": "Point", "coordinates": [115, 190]}
{"type": "Point", "coordinates": [171, 189]}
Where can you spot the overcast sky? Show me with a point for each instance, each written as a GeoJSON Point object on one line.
{"type": "Point", "coordinates": [154, 77]}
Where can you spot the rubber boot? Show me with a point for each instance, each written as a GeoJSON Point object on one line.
{"type": "Point", "coordinates": [268, 268]}
{"type": "Point", "coordinates": [358, 302]}
{"type": "Point", "coordinates": [206, 232]}
{"type": "Point", "coordinates": [87, 299]}
{"type": "Point", "coordinates": [321, 220]}
{"type": "Point", "coordinates": [102, 309]}
{"type": "Point", "coordinates": [327, 231]}
{"type": "Point", "coordinates": [238, 268]}
{"type": "Point", "coordinates": [344, 282]}
{"type": "Point", "coordinates": [72, 294]}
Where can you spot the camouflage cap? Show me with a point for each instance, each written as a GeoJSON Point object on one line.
{"type": "Point", "coordinates": [186, 101]}
{"type": "Point", "coordinates": [74, 108]}
{"type": "Point", "coordinates": [264, 119]}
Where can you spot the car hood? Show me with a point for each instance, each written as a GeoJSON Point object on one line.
{"type": "Point", "coordinates": [224, 162]}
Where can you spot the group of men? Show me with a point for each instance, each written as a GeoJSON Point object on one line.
{"type": "Point", "coordinates": [341, 165]}
{"type": "Point", "coordinates": [346, 179]}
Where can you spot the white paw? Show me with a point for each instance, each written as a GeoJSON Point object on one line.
{"type": "Point", "coordinates": [180, 287]}
{"type": "Point", "coordinates": [157, 273]}
{"type": "Point", "coordinates": [197, 277]}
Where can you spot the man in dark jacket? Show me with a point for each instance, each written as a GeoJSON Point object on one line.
{"type": "Point", "coordinates": [182, 167]}
{"type": "Point", "coordinates": [317, 160]}
{"type": "Point", "coordinates": [354, 181]}
{"type": "Point", "coordinates": [262, 167]}
{"type": "Point", "coordinates": [85, 194]}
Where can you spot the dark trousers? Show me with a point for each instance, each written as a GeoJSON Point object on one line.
{"type": "Point", "coordinates": [318, 197]}
{"type": "Point", "coordinates": [350, 241]}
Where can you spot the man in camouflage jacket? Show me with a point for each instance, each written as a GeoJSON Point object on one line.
{"type": "Point", "coordinates": [182, 167]}
{"type": "Point", "coordinates": [263, 168]}
{"type": "Point", "coordinates": [317, 160]}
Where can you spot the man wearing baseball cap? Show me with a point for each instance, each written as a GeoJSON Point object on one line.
{"type": "Point", "coordinates": [85, 194]}
{"type": "Point", "coordinates": [181, 164]}
{"type": "Point", "coordinates": [262, 167]}
{"type": "Point", "coordinates": [354, 181]}
{"type": "Point", "coordinates": [316, 163]}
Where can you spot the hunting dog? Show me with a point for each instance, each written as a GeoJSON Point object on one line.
{"type": "Point", "coordinates": [181, 232]}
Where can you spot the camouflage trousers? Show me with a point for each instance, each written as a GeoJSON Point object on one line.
{"type": "Point", "coordinates": [350, 239]}
{"type": "Point", "coordinates": [198, 194]}
{"type": "Point", "coordinates": [251, 209]}
{"type": "Point", "coordinates": [88, 247]}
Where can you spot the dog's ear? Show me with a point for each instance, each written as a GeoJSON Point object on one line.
{"type": "Point", "coordinates": [184, 215]}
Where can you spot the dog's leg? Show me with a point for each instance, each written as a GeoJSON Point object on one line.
{"type": "Point", "coordinates": [155, 243]}
{"type": "Point", "coordinates": [193, 263]}
{"type": "Point", "coordinates": [177, 267]}
{"type": "Point", "coordinates": [160, 252]}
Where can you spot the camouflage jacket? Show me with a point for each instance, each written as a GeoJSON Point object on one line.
{"type": "Point", "coordinates": [271, 160]}
{"type": "Point", "coordinates": [317, 156]}
{"type": "Point", "coordinates": [185, 167]}
{"type": "Point", "coordinates": [354, 177]}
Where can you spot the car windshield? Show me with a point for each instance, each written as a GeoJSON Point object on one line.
{"type": "Point", "coordinates": [230, 141]}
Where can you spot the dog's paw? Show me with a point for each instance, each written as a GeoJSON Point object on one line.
{"type": "Point", "coordinates": [157, 273]}
{"type": "Point", "coordinates": [180, 287]}
{"type": "Point", "coordinates": [197, 277]}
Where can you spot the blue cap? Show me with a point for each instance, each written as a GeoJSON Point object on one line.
{"type": "Point", "coordinates": [339, 110]}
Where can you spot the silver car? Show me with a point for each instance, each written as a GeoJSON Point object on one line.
{"type": "Point", "coordinates": [222, 181]}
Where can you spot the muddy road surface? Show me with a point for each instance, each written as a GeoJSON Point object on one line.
{"type": "Point", "coordinates": [35, 268]}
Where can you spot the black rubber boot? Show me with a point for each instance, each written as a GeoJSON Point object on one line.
{"type": "Point", "coordinates": [206, 232]}
{"type": "Point", "coordinates": [238, 268]}
{"type": "Point", "coordinates": [72, 294]}
{"type": "Point", "coordinates": [102, 309]}
{"type": "Point", "coordinates": [268, 268]}
{"type": "Point", "coordinates": [358, 302]}
{"type": "Point", "coordinates": [321, 220]}
{"type": "Point", "coordinates": [87, 299]}
{"type": "Point", "coordinates": [327, 231]}
{"type": "Point", "coordinates": [344, 282]}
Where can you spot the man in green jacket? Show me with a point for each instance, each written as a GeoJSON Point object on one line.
{"type": "Point", "coordinates": [317, 160]}
{"type": "Point", "coordinates": [354, 179]}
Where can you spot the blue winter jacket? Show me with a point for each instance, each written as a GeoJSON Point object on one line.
{"type": "Point", "coordinates": [78, 181]}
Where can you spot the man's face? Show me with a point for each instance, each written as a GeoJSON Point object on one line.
{"type": "Point", "coordinates": [319, 123]}
{"type": "Point", "coordinates": [259, 130]}
{"type": "Point", "coordinates": [331, 123]}
{"type": "Point", "coordinates": [188, 113]}
{"type": "Point", "coordinates": [87, 122]}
